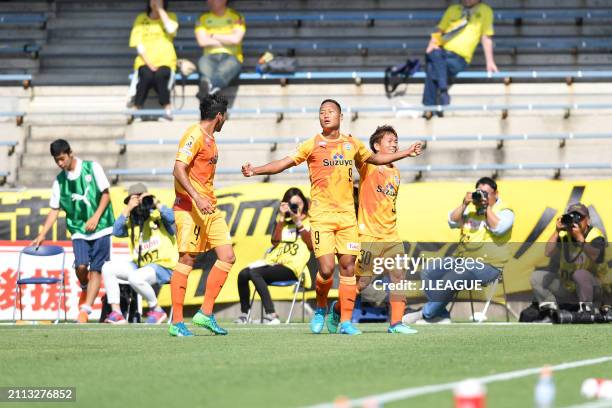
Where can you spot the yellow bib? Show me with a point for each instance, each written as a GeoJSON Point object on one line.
{"type": "Point", "coordinates": [292, 251]}
{"type": "Point", "coordinates": [157, 245]}
{"type": "Point", "coordinates": [478, 241]}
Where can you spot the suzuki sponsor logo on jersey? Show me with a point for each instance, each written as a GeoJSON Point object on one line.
{"type": "Point", "coordinates": [337, 160]}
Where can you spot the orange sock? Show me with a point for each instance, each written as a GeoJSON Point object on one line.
{"type": "Point", "coordinates": [214, 284]}
{"type": "Point", "coordinates": [178, 287]}
{"type": "Point", "coordinates": [337, 305]}
{"type": "Point", "coordinates": [397, 309]}
{"type": "Point", "coordinates": [348, 293]}
{"type": "Point", "coordinates": [322, 289]}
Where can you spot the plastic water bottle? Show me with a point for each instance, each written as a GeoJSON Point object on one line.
{"type": "Point", "coordinates": [545, 390]}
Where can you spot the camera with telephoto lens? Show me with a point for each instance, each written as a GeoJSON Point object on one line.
{"type": "Point", "coordinates": [294, 208]}
{"type": "Point", "coordinates": [479, 196]}
{"type": "Point", "coordinates": [603, 315]}
{"type": "Point", "coordinates": [568, 220]}
{"type": "Point", "coordinates": [142, 212]}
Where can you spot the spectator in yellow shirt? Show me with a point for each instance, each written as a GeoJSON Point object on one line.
{"type": "Point", "coordinates": [152, 35]}
{"type": "Point", "coordinates": [219, 32]}
{"type": "Point", "coordinates": [452, 46]}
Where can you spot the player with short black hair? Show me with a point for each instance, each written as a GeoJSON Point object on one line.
{"type": "Point", "coordinates": [331, 157]}
{"type": "Point", "coordinates": [200, 225]}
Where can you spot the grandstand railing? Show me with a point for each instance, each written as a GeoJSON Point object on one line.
{"type": "Point", "coordinates": [11, 144]}
{"type": "Point", "coordinates": [358, 76]}
{"type": "Point", "coordinates": [418, 169]}
{"type": "Point", "coordinates": [499, 139]}
{"type": "Point", "coordinates": [514, 15]}
{"type": "Point", "coordinates": [32, 50]}
{"type": "Point", "coordinates": [507, 45]}
{"type": "Point", "coordinates": [3, 176]}
{"type": "Point", "coordinates": [354, 111]}
{"type": "Point", "coordinates": [25, 79]}
{"type": "Point", "coordinates": [23, 18]}
{"type": "Point", "coordinates": [17, 115]}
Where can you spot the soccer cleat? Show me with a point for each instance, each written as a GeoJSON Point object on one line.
{"type": "Point", "coordinates": [348, 328]}
{"type": "Point", "coordinates": [333, 319]}
{"type": "Point", "coordinates": [318, 320]}
{"type": "Point", "coordinates": [115, 318]}
{"type": "Point", "coordinates": [208, 322]}
{"type": "Point", "coordinates": [156, 317]}
{"type": "Point", "coordinates": [401, 328]}
{"type": "Point", "coordinates": [179, 330]}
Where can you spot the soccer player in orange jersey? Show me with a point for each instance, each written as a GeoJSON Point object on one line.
{"type": "Point", "coordinates": [331, 157]}
{"type": "Point", "coordinates": [377, 224]}
{"type": "Point", "coordinates": [200, 225]}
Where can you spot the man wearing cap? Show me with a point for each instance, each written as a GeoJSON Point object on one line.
{"type": "Point", "coordinates": [149, 225]}
{"type": "Point", "coordinates": [576, 249]}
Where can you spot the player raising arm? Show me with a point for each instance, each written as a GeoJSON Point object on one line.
{"type": "Point", "coordinates": [331, 157]}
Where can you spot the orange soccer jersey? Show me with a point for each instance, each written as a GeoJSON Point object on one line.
{"type": "Point", "coordinates": [199, 151]}
{"type": "Point", "coordinates": [378, 188]}
{"type": "Point", "coordinates": [330, 165]}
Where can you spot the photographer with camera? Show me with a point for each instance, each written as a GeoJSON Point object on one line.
{"type": "Point", "coordinates": [289, 255]}
{"type": "Point", "coordinates": [150, 229]}
{"type": "Point", "coordinates": [485, 223]}
{"type": "Point", "coordinates": [577, 251]}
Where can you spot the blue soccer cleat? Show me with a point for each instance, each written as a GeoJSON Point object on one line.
{"type": "Point", "coordinates": [318, 320]}
{"type": "Point", "coordinates": [333, 319]}
{"type": "Point", "coordinates": [401, 329]}
{"type": "Point", "coordinates": [208, 322]}
{"type": "Point", "coordinates": [348, 328]}
{"type": "Point", "coordinates": [179, 330]}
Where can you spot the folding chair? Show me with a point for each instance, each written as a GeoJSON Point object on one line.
{"type": "Point", "coordinates": [492, 288]}
{"type": "Point", "coordinates": [42, 251]}
{"type": "Point", "coordinates": [297, 283]}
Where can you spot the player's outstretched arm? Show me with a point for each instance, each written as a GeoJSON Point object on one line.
{"type": "Point", "coordinates": [274, 167]}
{"type": "Point", "coordinates": [416, 149]}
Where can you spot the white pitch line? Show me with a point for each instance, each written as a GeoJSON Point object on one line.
{"type": "Point", "coordinates": [432, 389]}
{"type": "Point", "coordinates": [594, 404]}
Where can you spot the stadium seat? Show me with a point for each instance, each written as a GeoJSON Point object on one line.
{"type": "Point", "coordinates": [42, 252]}
{"type": "Point", "coordinates": [25, 79]}
{"type": "Point", "coordinates": [284, 284]}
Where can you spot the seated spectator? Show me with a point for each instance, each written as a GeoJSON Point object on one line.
{"type": "Point", "coordinates": [286, 259]}
{"type": "Point", "coordinates": [219, 32]}
{"type": "Point", "coordinates": [578, 249]}
{"type": "Point", "coordinates": [153, 35]}
{"type": "Point", "coordinates": [150, 229]}
{"type": "Point", "coordinates": [451, 48]}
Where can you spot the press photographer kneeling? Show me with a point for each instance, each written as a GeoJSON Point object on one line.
{"type": "Point", "coordinates": [567, 291]}
{"type": "Point", "coordinates": [150, 229]}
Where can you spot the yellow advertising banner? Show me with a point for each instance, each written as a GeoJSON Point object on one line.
{"type": "Point", "coordinates": [422, 208]}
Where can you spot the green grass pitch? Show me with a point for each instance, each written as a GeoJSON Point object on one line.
{"type": "Point", "coordinates": [286, 366]}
